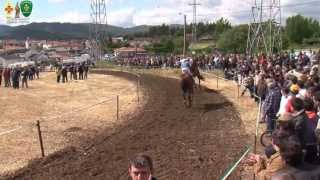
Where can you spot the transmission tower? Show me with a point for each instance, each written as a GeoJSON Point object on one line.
{"type": "Point", "coordinates": [98, 28]}
{"type": "Point", "coordinates": [264, 33]}
{"type": "Point", "coordinates": [194, 24]}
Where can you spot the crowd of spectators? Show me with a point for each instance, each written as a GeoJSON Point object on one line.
{"type": "Point", "coordinates": [18, 76]}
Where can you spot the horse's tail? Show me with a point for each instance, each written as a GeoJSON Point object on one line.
{"type": "Point", "coordinates": [201, 77]}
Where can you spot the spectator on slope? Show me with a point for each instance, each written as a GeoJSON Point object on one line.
{"type": "Point", "coordinates": [271, 105]}
{"type": "Point", "coordinates": [302, 90]}
{"type": "Point", "coordinates": [303, 130]}
{"type": "Point", "coordinates": [284, 100]}
{"type": "Point", "coordinates": [294, 91]}
{"type": "Point", "coordinates": [1, 72]}
{"type": "Point", "coordinates": [265, 167]}
{"type": "Point", "coordinates": [248, 83]}
{"type": "Point", "coordinates": [311, 113]}
{"type": "Point", "coordinates": [141, 168]}
{"type": "Point", "coordinates": [262, 87]}
{"type": "Point", "coordinates": [291, 152]}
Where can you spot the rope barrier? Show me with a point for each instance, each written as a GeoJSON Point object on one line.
{"type": "Point", "coordinates": [10, 131]}
{"type": "Point", "coordinates": [78, 110]}
{"type": "Point", "coordinates": [233, 167]}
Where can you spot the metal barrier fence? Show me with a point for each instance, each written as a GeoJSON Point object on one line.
{"type": "Point", "coordinates": [50, 133]}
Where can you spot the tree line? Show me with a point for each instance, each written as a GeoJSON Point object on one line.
{"type": "Point", "coordinates": [298, 31]}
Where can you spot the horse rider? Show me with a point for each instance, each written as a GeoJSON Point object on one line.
{"type": "Point", "coordinates": [185, 66]}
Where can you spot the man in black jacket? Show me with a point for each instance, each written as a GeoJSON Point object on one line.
{"type": "Point", "coordinates": [141, 168]}
{"type": "Point", "coordinates": [304, 131]}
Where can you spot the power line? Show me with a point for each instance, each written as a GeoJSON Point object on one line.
{"type": "Point", "coordinates": [194, 25]}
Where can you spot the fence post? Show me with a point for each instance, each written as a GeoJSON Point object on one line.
{"type": "Point", "coordinates": [117, 107]}
{"type": "Point", "coordinates": [138, 89]}
{"type": "Point", "coordinates": [257, 125]}
{"type": "Point", "coordinates": [217, 82]}
{"type": "Point", "coordinates": [40, 138]}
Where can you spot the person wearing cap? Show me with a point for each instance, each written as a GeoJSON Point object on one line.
{"type": "Point", "coordinates": [294, 91]}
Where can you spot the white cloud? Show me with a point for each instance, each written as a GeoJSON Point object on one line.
{"type": "Point", "coordinates": [123, 17]}
{"type": "Point", "coordinates": [72, 17]}
{"type": "Point", "coordinates": [167, 11]}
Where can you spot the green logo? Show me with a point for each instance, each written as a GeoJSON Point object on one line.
{"type": "Point", "coordinates": [26, 7]}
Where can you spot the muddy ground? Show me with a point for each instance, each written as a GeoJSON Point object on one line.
{"type": "Point", "coordinates": [199, 143]}
{"type": "Point", "coordinates": [68, 113]}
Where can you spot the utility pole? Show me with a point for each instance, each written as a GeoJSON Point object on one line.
{"type": "Point", "coordinates": [265, 28]}
{"type": "Point", "coordinates": [194, 24]}
{"type": "Point", "coordinates": [184, 35]}
{"type": "Point", "coordinates": [97, 28]}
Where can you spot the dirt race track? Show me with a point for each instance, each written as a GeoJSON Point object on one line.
{"type": "Point", "coordinates": [186, 144]}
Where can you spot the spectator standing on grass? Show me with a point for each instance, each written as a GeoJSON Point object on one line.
{"type": "Point", "coordinates": [71, 69]}
{"type": "Point", "coordinates": [64, 73]}
{"type": "Point", "coordinates": [141, 168]}
{"type": "Point", "coordinates": [59, 72]}
{"type": "Point", "coordinates": [81, 69]}
{"type": "Point", "coordinates": [37, 71]}
{"type": "Point", "coordinates": [16, 77]}
{"type": "Point", "coordinates": [6, 76]}
{"type": "Point", "coordinates": [25, 75]}
{"type": "Point", "coordinates": [86, 70]}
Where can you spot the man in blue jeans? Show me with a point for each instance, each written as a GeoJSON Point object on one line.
{"type": "Point", "coordinates": [271, 105]}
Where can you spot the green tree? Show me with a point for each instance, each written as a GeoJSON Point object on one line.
{"type": "Point", "coordinates": [234, 40]}
{"type": "Point", "coordinates": [221, 26]}
{"type": "Point", "coordinates": [299, 28]}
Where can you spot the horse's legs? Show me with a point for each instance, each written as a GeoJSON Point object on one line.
{"type": "Point", "coordinates": [185, 99]}
{"type": "Point", "coordinates": [190, 99]}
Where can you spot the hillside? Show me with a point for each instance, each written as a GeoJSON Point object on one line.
{"type": "Point", "coordinates": [61, 31]}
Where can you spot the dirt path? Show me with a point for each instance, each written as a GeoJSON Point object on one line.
{"type": "Point", "coordinates": [197, 144]}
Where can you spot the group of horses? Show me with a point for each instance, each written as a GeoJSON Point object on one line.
{"type": "Point", "coordinates": [188, 84]}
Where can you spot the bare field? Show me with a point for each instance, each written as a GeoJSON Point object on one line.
{"type": "Point", "coordinates": [67, 113]}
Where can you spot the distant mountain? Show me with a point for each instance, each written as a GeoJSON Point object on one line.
{"type": "Point", "coordinates": [61, 31]}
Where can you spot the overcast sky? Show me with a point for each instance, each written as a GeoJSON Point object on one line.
{"type": "Point", "coordinates": [127, 13]}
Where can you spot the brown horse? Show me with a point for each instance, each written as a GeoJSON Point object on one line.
{"type": "Point", "coordinates": [195, 72]}
{"type": "Point", "coordinates": [187, 84]}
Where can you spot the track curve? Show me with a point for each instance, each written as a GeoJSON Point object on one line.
{"type": "Point", "coordinates": [197, 144]}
